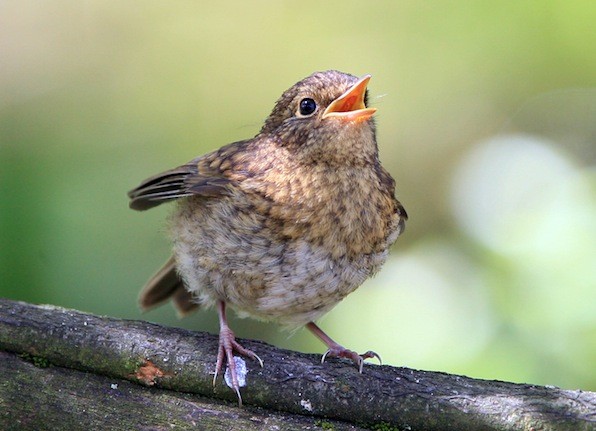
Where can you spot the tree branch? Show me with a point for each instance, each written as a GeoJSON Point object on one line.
{"type": "Point", "coordinates": [171, 359]}
{"type": "Point", "coordinates": [56, 398]}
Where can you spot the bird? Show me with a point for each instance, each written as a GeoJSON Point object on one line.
{"type": "Point", "coordinates": [280, 227]}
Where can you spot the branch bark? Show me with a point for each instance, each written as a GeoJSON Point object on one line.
{"type": "Point", "coordinates": [164, 376]}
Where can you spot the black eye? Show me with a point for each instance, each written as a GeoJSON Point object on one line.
{"type": "Point", "coordinates": [307, 106]}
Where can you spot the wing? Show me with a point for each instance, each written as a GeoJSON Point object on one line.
{"type": "Point", "coordinates": [197, 177]}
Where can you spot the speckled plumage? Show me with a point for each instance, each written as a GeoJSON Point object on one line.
{"type": "Point", "coordinates": [282, 226]}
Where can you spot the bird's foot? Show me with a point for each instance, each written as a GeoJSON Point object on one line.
{"type": "Point", "coordinates": [227, 346]}
{"type": "Point", "coordinates": [339, 351]}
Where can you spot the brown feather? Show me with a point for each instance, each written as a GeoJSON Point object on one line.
{"type": "Point", "coordinates": [161, 286]}
{"type": "Point", "coordinates": [167, 284]}
{"type": "Point", "coordinates": [194, 178]}
{"type": "Point", "coordinates": [184, 302]}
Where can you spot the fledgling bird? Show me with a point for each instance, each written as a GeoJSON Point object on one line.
{"type": "Point", "coordinates": [283, 226]}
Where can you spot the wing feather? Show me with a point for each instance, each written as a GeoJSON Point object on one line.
{"type": "Point", "coordinates": [193, 178]}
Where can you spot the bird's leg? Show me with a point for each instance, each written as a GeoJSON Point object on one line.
{"type": "Point", "coordinates": [339, 351]}
{"type": "Point", "coordinates": [227, 346]}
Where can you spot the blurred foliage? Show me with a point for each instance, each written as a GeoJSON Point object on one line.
{"type": "Point", "coordinates": [486, 119]}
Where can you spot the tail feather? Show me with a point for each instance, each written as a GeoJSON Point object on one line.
{"type": "Point", "coordinates": [166, 284]}
{"type": "Point", "coordinates": [184, 301]}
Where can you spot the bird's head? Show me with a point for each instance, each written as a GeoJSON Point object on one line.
{"type": "Point", "coordinates": [324, 118]}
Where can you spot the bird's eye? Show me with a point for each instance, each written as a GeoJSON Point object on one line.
{"type": "Point", "coordinates": [307, 107]}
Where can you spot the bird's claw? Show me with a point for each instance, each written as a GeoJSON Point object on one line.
{"type": "Point", "coordinates": [341, 352]}
{"type": "Point", "coordinates": [227, 346]}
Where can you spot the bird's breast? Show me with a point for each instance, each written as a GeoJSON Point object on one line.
{"type": "Point", "coordinates": [347, 211]}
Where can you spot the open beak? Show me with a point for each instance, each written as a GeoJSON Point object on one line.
{"type": "Point", "coordinates": [350, 105]}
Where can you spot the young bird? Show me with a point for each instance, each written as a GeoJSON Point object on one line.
{"type": "Point", "coordinates": [283, 226]}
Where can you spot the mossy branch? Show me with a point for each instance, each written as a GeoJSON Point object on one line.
{"type": "Point", "coordinates": [135, 375]}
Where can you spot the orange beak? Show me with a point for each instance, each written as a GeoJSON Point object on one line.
{"type": "Point", "coordinates": [350, 105]}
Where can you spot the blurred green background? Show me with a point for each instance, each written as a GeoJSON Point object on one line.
{"type": "Point", "coordinates": [486, 119]}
